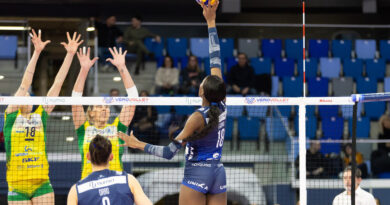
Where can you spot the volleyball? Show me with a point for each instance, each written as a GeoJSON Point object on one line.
{"type": "Point", "coordinates": [206, 2]}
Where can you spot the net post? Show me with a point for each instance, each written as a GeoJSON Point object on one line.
{"type": "Point", "coordinates": [302, 154]}
{"type": "Point", "coordinates": [353, 171]}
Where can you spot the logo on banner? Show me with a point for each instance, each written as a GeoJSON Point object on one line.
{"type": "Point", "coordinates": [250, 100]}
{"type": "Point", "coordinates": [108, 100]}
{"type": "Point", "coordinates": [47, 101]}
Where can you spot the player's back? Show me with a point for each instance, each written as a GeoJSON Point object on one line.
{"type": "Point", "coordinates": [104, 187]}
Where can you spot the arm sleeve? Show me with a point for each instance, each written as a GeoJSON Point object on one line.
{"type": "Point", "coordinates": [214, 49]}
{"type": "Point", "coordinates": [166, 152]}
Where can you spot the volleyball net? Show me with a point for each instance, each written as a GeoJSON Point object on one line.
{"type": "Point", "coordinates": [261, 154]}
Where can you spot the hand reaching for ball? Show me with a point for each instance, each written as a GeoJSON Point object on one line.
{"type": "Point", "coordinates": [209, 11]}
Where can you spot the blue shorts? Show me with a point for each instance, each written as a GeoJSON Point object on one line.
{"type": "Point", "coordinates": [205, 177]}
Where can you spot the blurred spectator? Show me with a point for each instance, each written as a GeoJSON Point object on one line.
{"type": "Point", "coordinates": [143, 123]}
{"type": "Point", "coordinates": [315, 161]}
{"type": "Point", "coordinates": [380, 158]}
{"type": "Point", "coordinates": [134, 37]}
{"type": "Point", "coordinates": [192, 77]}
{"type": "Point", "coordinates": [109, 34]}
{"type": "Point", "coordinates": [240, 77]}
{"type": "Point", "coordinates": [384, 124]}
{"type": "Point", "coordinates": [167, 78]}
{"type": "Point", "coordinates": [348, 156]}
{"type": "Point", "coordinates": [115, 109]}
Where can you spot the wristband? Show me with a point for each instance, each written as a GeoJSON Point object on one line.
{"type": "Point", "coordinates": [77, 94]}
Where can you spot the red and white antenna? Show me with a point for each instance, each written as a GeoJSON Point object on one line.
{"type": "Point", "coordinates": [304, 47]}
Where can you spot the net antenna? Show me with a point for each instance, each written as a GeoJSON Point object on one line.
{"type": "Point", "coordinates": [304, 47]}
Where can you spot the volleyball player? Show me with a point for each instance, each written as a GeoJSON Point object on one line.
{"type": "Point", "coordinates": [104, 186]}
{"type": "Point", "coordinates": [25, 133]}
{"type": "Point", "coordinates": [204, 175]}
{"type": "Point", "coordinates": [95, 121]}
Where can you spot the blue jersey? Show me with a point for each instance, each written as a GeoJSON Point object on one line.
{"type": "Point", "coordinates": [104, 187]}
{"type": "Point", "coordinates": [210, 146]}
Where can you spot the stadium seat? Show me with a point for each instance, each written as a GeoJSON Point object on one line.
{"type": "Point", "coordinates": [276, 128]}
{"type": "Point", "coordinates": [184, 110]}
{"type": "Point", "coordinates": [271, 48]}
{"type": "Point", "coordinates": [330, 67]}
{"type": "Point", "coordinates": [387, 84]}
{"type": "Point", "coordinates": [374, 110]}
{"type": "Point", "coordinates": [384, 48]}
{"type": "Point", "coordinates": [229, 128]}
{"type": "Point", "coordinates": [261, 65]}
{"type": "Point", "coordinates": [230, 62]}
{"type": "Point", "coordinates": [353, 68]}
{"type": "Point", "coordinates": [347, 110]}
{"type": "Point", "coordinates": [318, 87]}
{"type": "Point", "coordinates": [235, 111]}
{"type": "Point", "coordinates": [376, 68]}
{"type": "Point", "coordinates": [362, 127]}
{"type": "Point", "coordinates": [275, 86]}
{"type": "Point", "coordinates": [366, 85]}
{"type": "Point", "coordinates": [160, 61]}
{"type": "Point", "coordinates": [327, 111]}
{"type": "Point", "coordinates": [156, 48]}
{"type": "Point", "coordinates": [365, 48]}
{"type": "Point", "coordinates": [284, 111]}
{"type": "Point", "coordinates": [257, 111]}
{"type": "Point", "coordinates": [318, 48]}
{"type": "Point", "coordinates": [199, 47]}
{"type": "Point", "coordinates": [333, 127]}
{"type": "Point", "coordinates": [311, 127]}
{"type": "Point", "coordinates": [227, 48]}
{"type": "Point", "coordinates": [248, 128]}
{"type": "Point", "coordinates": [384, 175]}
{"type": "Point", "coordinates": [342, 86]}
{"type": "Point", "coordinates": [311, 67]}
{"type": "Point", "coordinates": [249, 46]}
{"type": "Point", "coordinates": [284, 67]}
{"type": "Point", "coordinates": [292, 86]}
{"type": "Point", "coordinates": [177, 47]}
{"type": "Point", "coordinates": [341, 48]}
{"type": "Point", "coordinates": [163, 109]}
{"type": "Point", "coordinates": [8, 47]}
{"type": "Point", "coordinates": [329, 148]}
{"type": "Point", "coordinates": [294, 48]}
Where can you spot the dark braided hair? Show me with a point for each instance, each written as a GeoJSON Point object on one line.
{"type": "Point", "coordinates": [100, 149]}
{"type": "Point", "coordinates": [214, 90]}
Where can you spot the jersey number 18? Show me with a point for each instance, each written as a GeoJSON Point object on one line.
{"type": "Point", "coordinates": [221, 137]}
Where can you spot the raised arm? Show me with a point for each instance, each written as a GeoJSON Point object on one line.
{"type": "Point", "coordinates": [209, 13]}
{"type": "Point", "coordinates": [86, 63]}
{"type": "Point", "coordinates": [29, 72]}
{"type": "Point", "coordinates": [119, 62]}
{"type": "Point", "coordinates": [139, 195]}
{"type": "Point", "coordinates": [72, 196]}
{"type": "Point", "coordinates": [194, 122]}
{"type": "Point", "coordinates": [71, 49]}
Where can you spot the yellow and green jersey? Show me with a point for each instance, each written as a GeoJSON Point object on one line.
{"type": "Point", "coordinates": [87, 132]}
{"type": "Point", "coordinates": [25, 143]}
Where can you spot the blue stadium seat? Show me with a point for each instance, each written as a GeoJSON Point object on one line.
{"type": "Point", "coordinates": [384, 175]}
{"type": "Point", "coordinates": [227, 48]}
{"type": "Point", "coordinates": [374, 110]}
{"type": "Point", "coordinates": [235, 111]}
{"type": "Point", "coordinates": [163, 109]}
{"type": "Point", "coordinates": [8, 47]}
{"type": "Point", "coordinates": [333, 127]}
{"type": "Point", "coordinates": [366, 85]}
{"type": "Point", "coordinates": [329, 148]}
{"type": "Point", "coordinates": [285, 111]}
{"type": "Point", "coordinates": [318, 87]}
{"type": "Point", "coordinates": [229, 128]}
{"type": "Point", "coordinates": [271, 48]}
{"type": "Point", "coordinates": [261, 65]}
{"type": "Point", "coordinates": [276, 128]}
{"type": "Point", "coordinates": [330, 67]}
{"type": "Point", "coordinates": [311, 127]}
{"type": "Point", "coordinates": [353, 68]}
{"type": "Point", "coordinates": [199, 47]}
{"type": "Point", "coordinates": [294, 48]}
{"type": "Point", "coordinates": [365, 48]}
{"type": "Point", "coordinates": [384, 48]}
{"type": "Point", "coordinates": [177, 47]}
{"type": "Point", "coordinates": [248, 128]}
{"type": "Point", "coordinates": [376, 68]}
{"type": "Point", "coordinates": [184, 110]}
{"type": "Point", "coordinates": [387, 84]}
{"type": "Point", "coordinates": [318, 48]}
{"type": "Point", "coordinates": [347, 111]}
{"type": "Point", "coordinates": [249, 46]}
{"type": "Point", "coordinates": [275, 86]}
{"type": "Point", "coordinates": [292, 86]}
{"type": "Point", "coordinates": [230, 62]}
{"type": "Point", "coordinates": [160, 61]}
{"type": "Point", "coordinates": [257, 111]}
{"type": "Point", "coordinates": [341, 48]}
{"type": "Point", "coordinates": [154, 47]}
{"type": "Point", "coordinates": [284, 67]}
{"type": "Point", "coordinates": [327, 111]}
{"type": "Point", "coordinates": [311, 67]}
{"type": "Point", "coordinates": [362, 127]}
